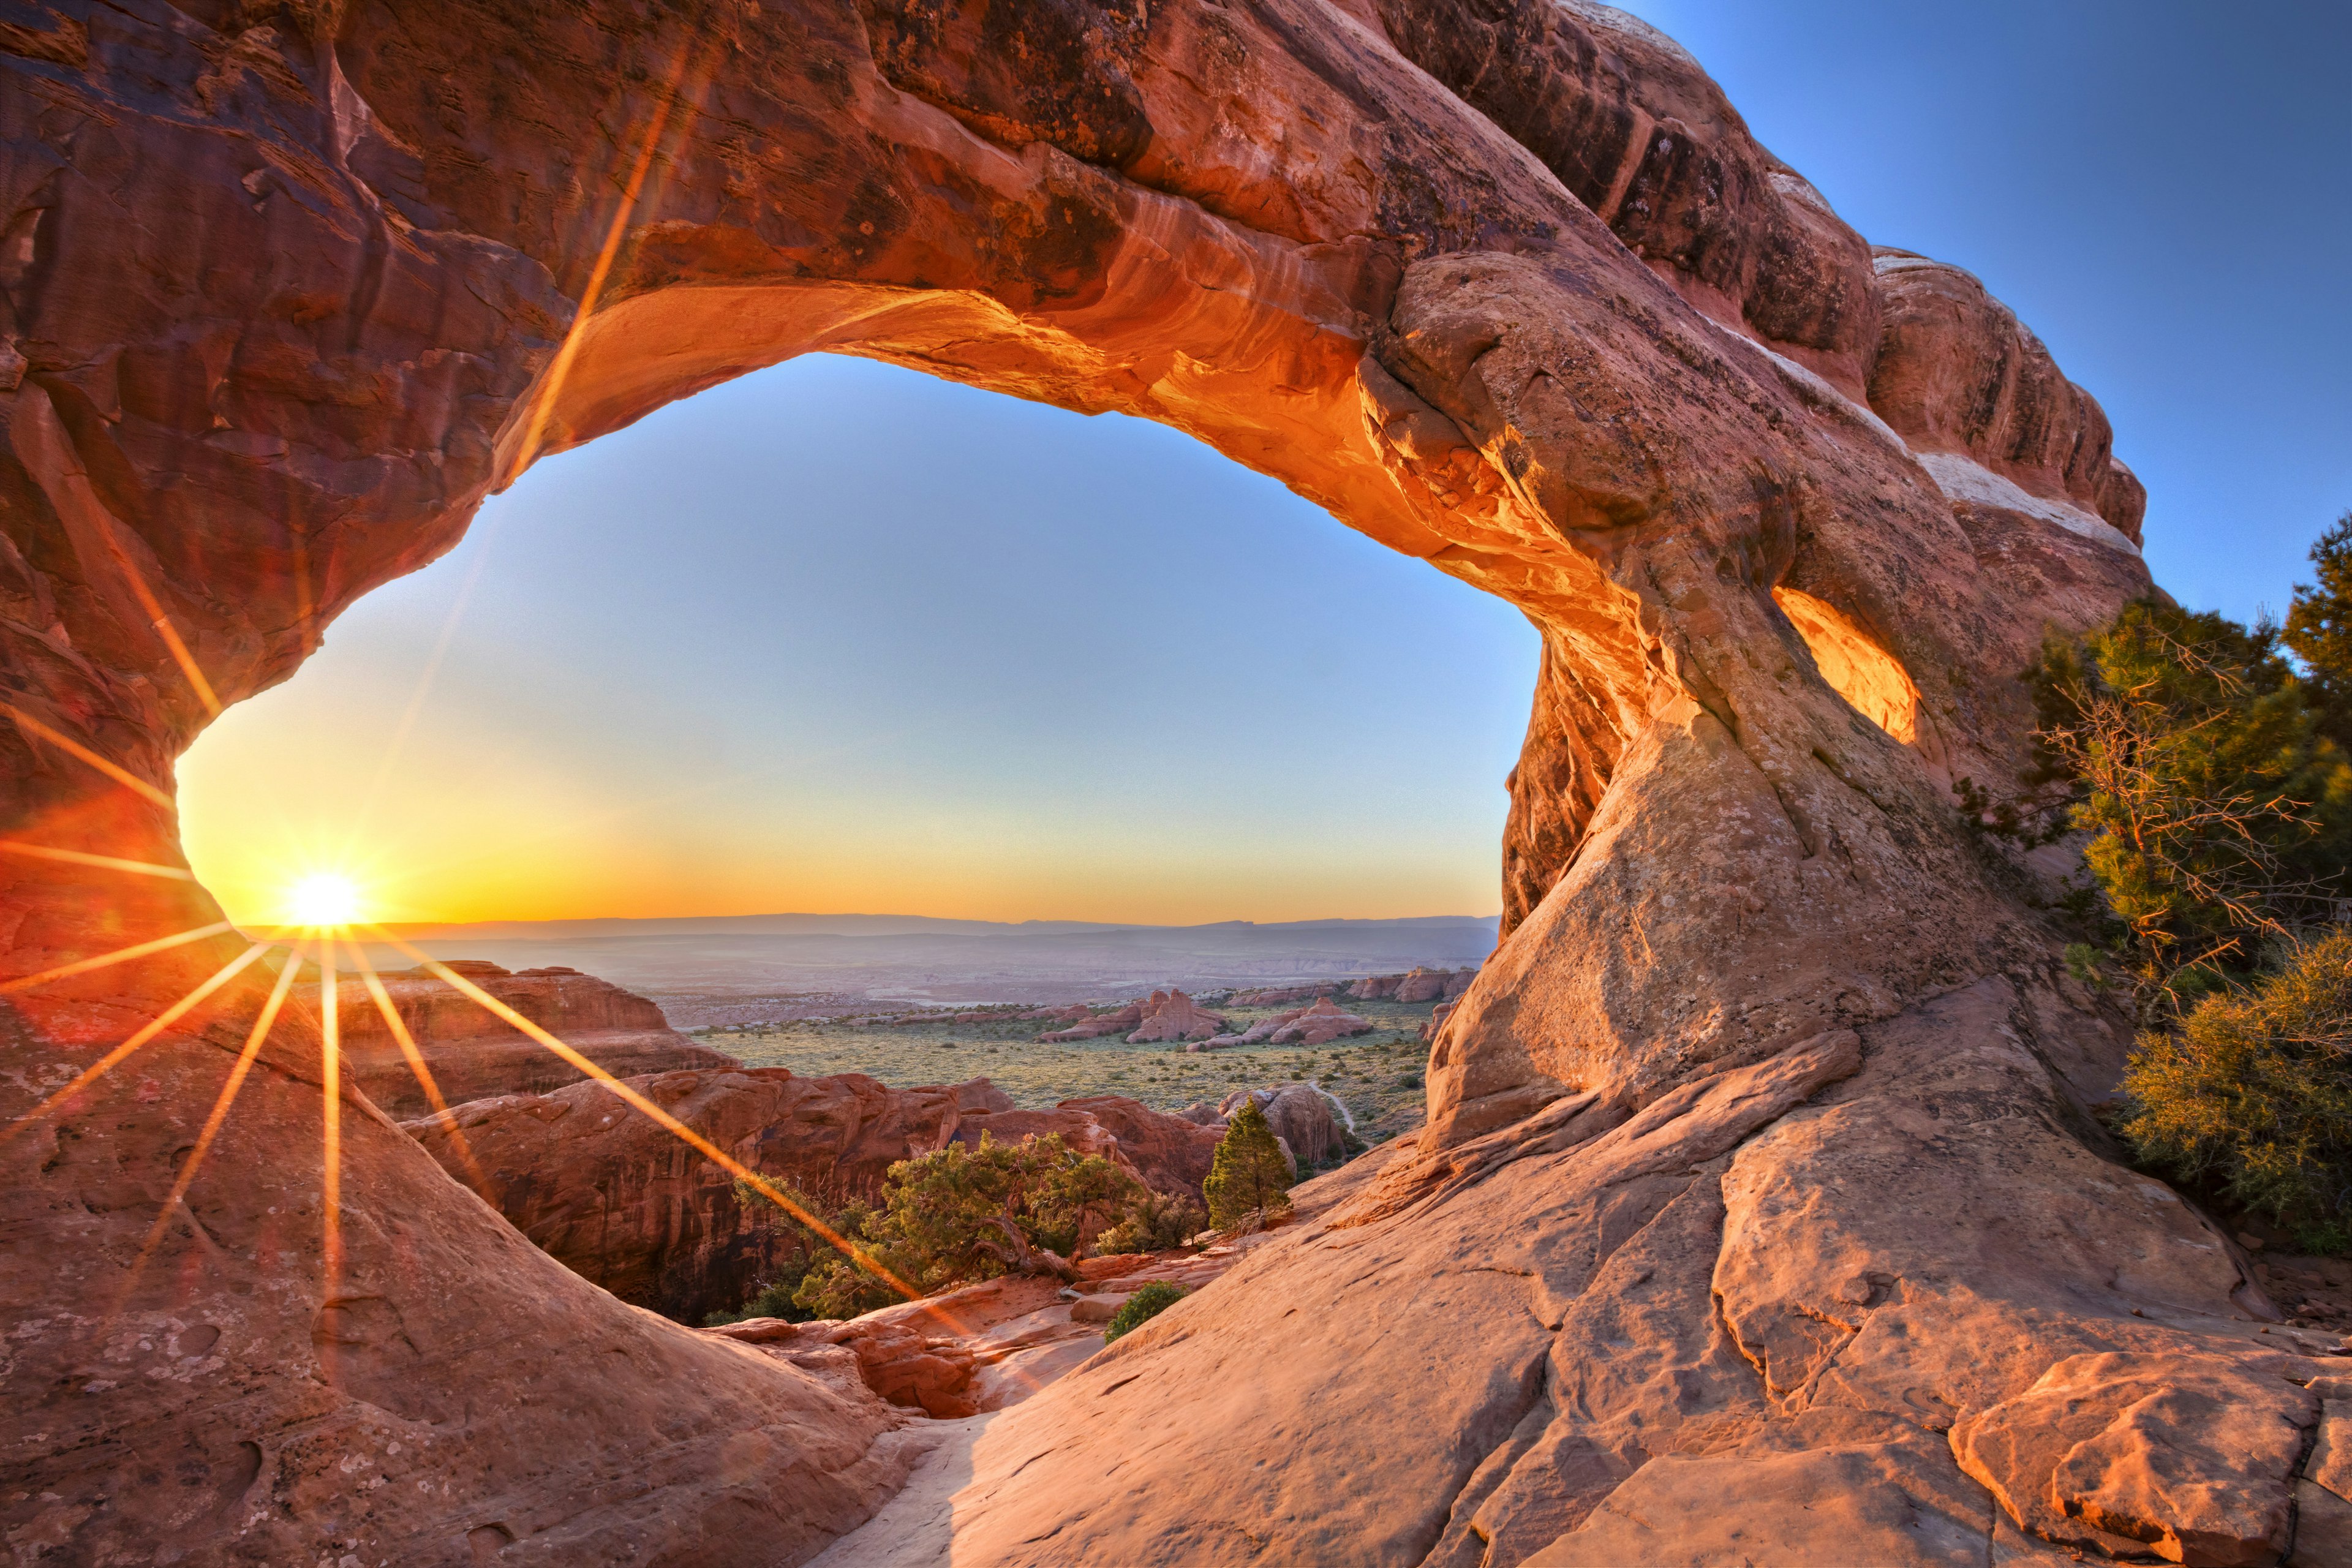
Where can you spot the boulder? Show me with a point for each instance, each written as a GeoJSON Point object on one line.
{"type": "Point", "coordinates": [472, 1053]}
{"type": "Point", "coordinates": [1300, 1116]}
{"type": "Point", "coordinates": [2191, 1457]}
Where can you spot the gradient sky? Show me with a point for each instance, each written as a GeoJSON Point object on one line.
{"type": "Point", "coordinates": [839, 638]}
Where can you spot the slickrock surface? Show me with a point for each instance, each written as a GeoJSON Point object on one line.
{"type": "Point", "coordinates": [474, 1055]}
{"type": "Point", "coordinates": [1756, 1186]}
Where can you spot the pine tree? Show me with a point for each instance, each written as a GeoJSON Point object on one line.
{"type": "Point", "coordinates": [2319, 632]}
{"type": "Point", "coordinates": [1250, 1179]}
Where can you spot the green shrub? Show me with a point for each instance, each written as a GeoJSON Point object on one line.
{"type": "Point", "coordinates": [1155, 1223]}
{"type": "Point", "coordinates": [810, 1251]}
{"type": "Point", "coordinates": [2255, 1090]}
{"type": "Point", "coordinates": [961, 1214]}
{"type": "Point", "coordinates": [1250, 1181]}
{"type": "Point", "coordinates": [1142, 1307]}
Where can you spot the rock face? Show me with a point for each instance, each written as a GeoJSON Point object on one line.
{"type": "Point", "coordinates": [1772, 1079]}
{"type": "Point", "coordinates": [619, 1201]}
{"type": "Point", "coordinates": [471, 1054]}
{"type": "Point", "coordinates": [1170, 1153]}
{"type": "Point", "coordinates": [1299, 1116]}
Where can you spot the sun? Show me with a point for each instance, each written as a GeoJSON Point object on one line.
{"type": "Point", "coordinates": [324, 899]}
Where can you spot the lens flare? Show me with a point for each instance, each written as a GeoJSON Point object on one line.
{"type": "Point", "coordinates": [323, 899]}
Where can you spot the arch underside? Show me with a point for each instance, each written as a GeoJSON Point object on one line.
{"type": "Point", "coordinates": [1507, 288]}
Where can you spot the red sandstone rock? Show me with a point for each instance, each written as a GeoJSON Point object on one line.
{"type": "Point", "coordinates": [1508, 288]}
{"type": "Point", "coordinates": [2192, 1458]}
{"type": "Point", "coordinates": [1172, 1153]}
{"type": "Point", "coordinates": [621, 1202]}
{"type": "Point", "coordinates": [1316, 1026]}
{"type": "Point", "coordinates": [1172, 1016]}
{"type": "Point", "coordinates": [1096, 1025]}
{"type": "Point", "coordinates": [1300, 1117]}
{"type": "Point", "coordinates": [1167, 1154]}
{"type": "Point", "coordinates": [473, 1055]}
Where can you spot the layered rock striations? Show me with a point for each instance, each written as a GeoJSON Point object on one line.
{"type": "Point", "coordinates": [470, 1053]}
{"type": "Point", "coordinates": [1756, 1213]}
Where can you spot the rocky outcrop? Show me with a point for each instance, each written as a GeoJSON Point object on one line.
{"type": "Point", "coordinates": [1094, 1026]}
{"type": "Point", "coordinates": [621, 1202]}
{"type": "Point", "coordinates": [1163, 1016]}
{"type": "Point", "coordinates": [1300, 1116]}
{"type": "Point", "coordinates": [1170, 1153]}
{"type": "Point", "coordinates": [1755, 1167]}
{"type": "Point", "coordinates": [1274, 995]}
{"type": "Point", "coordinates": [1319, 1024]}
{"type": "Point", "coordinates": [472, 1053]}
{"type": "Point", "coordinates": [1316, 1026]}
{"type": "Point", "coordinates": [1172, 1016]}
{"type": "Point", "coordinates": [1961, 378]}
{"type": "Point", "coordinates": [1415, 985]}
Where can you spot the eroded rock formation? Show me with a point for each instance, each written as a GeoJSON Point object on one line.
{"type": "Point", "coordinates": [473, 1054]}
{"type": "Point", "coordinates": [1756, 1205]}
{"type": "Point", "coordinates": [620, 1201]}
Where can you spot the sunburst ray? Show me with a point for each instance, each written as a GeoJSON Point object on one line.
{"type": "Point", "coordinates": [75, 749]}
{"type": "Point", "coordinates": [559, 370]}
{"type": "Point", "coordinates": [415, 1059]}
{"type": "Point", "coordinates": [654, 1112]}
{"type": "Point", "coordinates": [104, 862]}
{"type": "Point", "coordinates": [119, 955]}
{"type": "Point", "coordinates": [286, 974]}
{"type": "Point", "coordinates": [331, 1164]}
{"type": "Point", "coordinates": [137, 1041]}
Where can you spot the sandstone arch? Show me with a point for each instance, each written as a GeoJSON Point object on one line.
{"type": "Point", "coordinates": [1506, 286]}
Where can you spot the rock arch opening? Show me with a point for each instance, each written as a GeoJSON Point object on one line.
{"type": "Point", "coordinates": [841, 636]}
{"type": "Point", "coordinates": [1861, 672]}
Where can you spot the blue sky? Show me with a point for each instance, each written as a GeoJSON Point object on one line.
{"type": "Point", "coordinates": [838, 636]}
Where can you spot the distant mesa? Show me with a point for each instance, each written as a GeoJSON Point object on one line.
{"type": "Point", "coordinates": [473, 1055]}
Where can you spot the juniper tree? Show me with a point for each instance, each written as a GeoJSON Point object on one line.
{"type": "Point", "coordinates": [1250, 1179]}
{"type": "Point", "coordinates": [2319, 632]}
